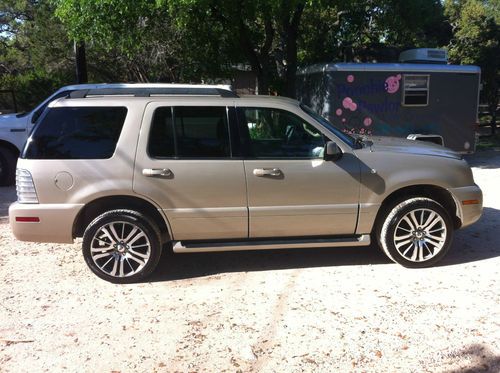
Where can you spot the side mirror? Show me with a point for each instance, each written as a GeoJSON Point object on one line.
{"type": "Point", "coordinates": [332, 151]}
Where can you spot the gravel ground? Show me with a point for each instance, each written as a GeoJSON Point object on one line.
{"type": "Point", "coordinates": [322, 310]}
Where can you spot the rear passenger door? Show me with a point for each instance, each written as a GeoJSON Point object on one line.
{"type": "Point", "coordinates": [187, 165]}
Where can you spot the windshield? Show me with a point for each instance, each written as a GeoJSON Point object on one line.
{"type": "Point", "coordinates": [324, 122]}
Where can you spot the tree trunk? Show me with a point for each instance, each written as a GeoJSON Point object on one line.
{"type": "Point", "coordinates": [291, 66]}
{"type": "Point", "coordinates": [259, 61]}
{"type": "Point", "coordinates": [493, 107]}
{"type": "Point", "coordinates": [263, 80]}
{"type": "Point", "coordinates": [81, 63]}
{"type": "Point", "coordinates": [493, 122]}
{"type": "Point", "coordinates": [291, 29]}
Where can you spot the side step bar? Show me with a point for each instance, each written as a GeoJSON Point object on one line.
{"type": "Point", "coordinates": [199, 247]}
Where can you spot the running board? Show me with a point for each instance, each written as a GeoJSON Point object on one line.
{"type": "Point", "coordinates": [199, 247]}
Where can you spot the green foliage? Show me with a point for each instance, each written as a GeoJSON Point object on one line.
{"type": "Point", "coordinates": [490, 142]}
{"type": "Point", "coordinates": [261, 33]}
{"type": "Point", "coordinates": [35, 53]}
{"type": "Point", "coordinates": [149, 40]}
{"type": "Point", "coordinates": [361, 30]}
{"type": "Point", "coordinates": [203, 40]}
{"type": "Point", "coordinates": [32, 87]}
{"type": "Point", "coordinates": [477, 41]}
{"type": "Point", "coordinates": [112, 24]}
{"type": "Point", "coordinates": [476, 37]}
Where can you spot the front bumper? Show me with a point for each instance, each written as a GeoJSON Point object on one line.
{"type": "Point", "coordinates": [55, 222]}
{"type": "Point", "coordinates": [468, 212]}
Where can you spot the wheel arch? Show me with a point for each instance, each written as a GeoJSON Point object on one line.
{"type": "Point", "coordinates": [9, 155]}
{"type": "Point", "coordinates": [436, 193]}
{"type": "Point", "coordinates": [10, 146]}
{"type": "Point", "coordinates": [100, 205]}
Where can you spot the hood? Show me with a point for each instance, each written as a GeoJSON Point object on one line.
{"type": "Point", "coordinates": [8, 121]}
{"type": "Point", "coordinates": [10, 116]}
{"type": "Point", "coordinates": [399, 145]}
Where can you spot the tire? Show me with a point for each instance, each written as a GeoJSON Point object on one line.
{"type": "Point", "coordinates": [416, 232]}
{"type": "Point", "coordinates": [8, 162]}
{"type": "Point", "coordinates": [122, 246]}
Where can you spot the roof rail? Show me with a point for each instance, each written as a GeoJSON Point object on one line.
{"type": "Point", "coordinates": [155, 91]}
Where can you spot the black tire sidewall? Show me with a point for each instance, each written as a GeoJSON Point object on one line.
{"type": "Point", "coordinates": [128, 216]}
{"type": "Point", "coordinates": [427, 204]}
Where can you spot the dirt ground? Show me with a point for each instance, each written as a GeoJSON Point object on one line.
{"type": "Point", "coordinates": [321, 310]}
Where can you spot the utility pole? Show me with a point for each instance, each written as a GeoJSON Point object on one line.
{"type": "Point", "coordinates": [81, 62]}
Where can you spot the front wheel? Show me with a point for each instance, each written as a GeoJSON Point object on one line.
{"type": "Point", "coordinates": [416, 232]}
{"type": "Point", "coordinates": [121, 246]}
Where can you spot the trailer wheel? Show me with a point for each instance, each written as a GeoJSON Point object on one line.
{"type": "Point", "coordinates": [8, 162]}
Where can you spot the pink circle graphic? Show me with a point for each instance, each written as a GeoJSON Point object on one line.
{"type": "Point", "coordinates": [350, 78]}
{"type": "Point", "coordinates": [367, 122]}
{"type": "Point", "coordinates": [346, 102]}
{"type": "Point", "coordinates": [343, 120]}
{"type": "Point", "coordinates": [338, 112]}
{"type": "Point", "coordinates": [392, 83]}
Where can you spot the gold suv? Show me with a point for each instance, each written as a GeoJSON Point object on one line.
{"type": "Point", "coordinates": [198, 168]}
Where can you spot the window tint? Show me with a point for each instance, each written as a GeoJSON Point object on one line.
{"type": "Point", "coordinates": [201, 132]}
{"type": "Point", "coordinates": [416, 90]}
{"type": "Point", "coordinates": [77, 133]}
{"type": "Point", "coordinates": [161, 137]}
{"type": "Point", "coordinates": [277, 133]}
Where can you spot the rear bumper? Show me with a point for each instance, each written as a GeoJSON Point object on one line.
{"type": "Point", "coordinates": [55, 222]}
{"type": "Point", "coordinates": [468, 212]}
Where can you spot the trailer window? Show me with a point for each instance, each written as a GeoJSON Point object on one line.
{"type": "Point", "coordinates": [415, 90]}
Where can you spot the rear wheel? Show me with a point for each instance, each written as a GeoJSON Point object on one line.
{"type": "Point", "coordinates": [7, 167]}
{"type": "Point", "coordinates": [416, 232]}
{"type": "Point", "coordinates": [122, 246]}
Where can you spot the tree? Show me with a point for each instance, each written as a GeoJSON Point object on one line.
{"type": "Point", "coordinates": [204, 39]}
{"type": "Point", "coordinates": [143, 34]}
{"type": "Point", "coordinates": [477, 41]}
{"type": "Point", "coordinates": [35, 56]}
{"type": "Point", "coordinates": [366, 31]}
{"type": "Point", "coordinates": [262, 33]}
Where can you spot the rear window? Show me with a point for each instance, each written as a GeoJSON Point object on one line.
{"type": "Point", "coordinates": [189, 132]}
{"type": "Point", "coordinates": [76, 133]}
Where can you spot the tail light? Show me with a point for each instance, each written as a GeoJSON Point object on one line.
{"type": "Point", "coordinates": [25, 187]}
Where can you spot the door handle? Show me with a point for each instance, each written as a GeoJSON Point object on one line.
{"type": "Point", "coordinates": [267, 172]}
{"type": "Point", "coordinates": [156, 172]}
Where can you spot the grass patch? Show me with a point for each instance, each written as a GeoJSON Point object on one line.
{"type": "Point", "coordinates": [488, 142]}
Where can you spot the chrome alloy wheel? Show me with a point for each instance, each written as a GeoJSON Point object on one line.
{"type": "Point", "coordinates": [120, 249]}
{"type": "Point", "coordinates": [420, 235]}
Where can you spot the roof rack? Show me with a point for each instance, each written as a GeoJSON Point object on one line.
{"type": "Point", "coordinates": [155, 91]}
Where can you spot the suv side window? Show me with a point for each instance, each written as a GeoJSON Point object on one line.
{"type": "Point", "coordinates": [201, 132]}
{"type": "Point", "coordinates": [194, 132]}
{"type": "Point", "coordinates": [76, 133]}
{"type": "Point", "coordinates": [161, 143]}
{"type": "Point", "coordinates": [275, 133]}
